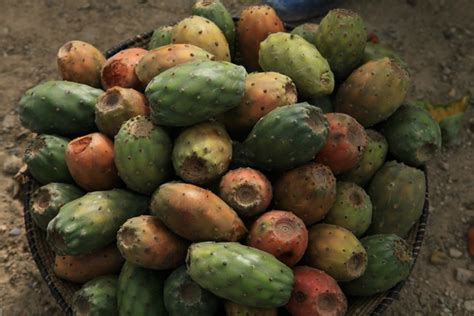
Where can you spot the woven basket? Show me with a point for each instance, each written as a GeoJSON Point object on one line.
{"type": "Point", "coordinates": [63, 290]}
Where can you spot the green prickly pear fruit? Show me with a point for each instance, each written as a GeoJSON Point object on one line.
{"type": "Point", "coordinates": [119, 70]}
{"type": "Point", "coordinates": [372, 159]}
{"type": "Point", "coordinates": [336, 251]}
{"type": "Point", "coordinates": [160, 37]}
{"type": "Point", "coordinates": [397, 192]}
{"type": "Point", "coordinates": [307, 31]}
{"type": "Point", "coordinates": [258, 279]}
{"type": "Point", "coordinates": [390, 262]}
{"type": "Point", "coordinates": [352, 209]}
{"type": "Point", "coordinates": [204, 33]}
{"type": "Point", "coordinates": [92, 221]}
{"type": "Point", "coordinates": [59, 107]}
{"type": "Point", "coordinates": [142, 154]}
{"type": "Point", "coordinates": [195, 213]}
{"type": "Point", "coordinates": [97, 297]}
{"type": "Point", "coordinates": [48, 199]}
{"type": "Point", "coordinates": [140, 291]}
{"type": "Point", "coordinates": [293, 56]}
{"type": "Point", "coordinates": [324, 103]}
{"type": "Point", "coordinates": [413, 136]}
{"type": "Point", "coordinates": [234, 309]}
{"type": "Point", "coordinates": [308, 191]}
{"type": "Point", "coordinates": [194, 92]}
{"type": "Point", "coordinates": [202, 153]}
{"type": "Point", "coordinates": [373, 92]}
{"type": "Point", "coordinates": [183, 296]}
{"type": "Point", "coordinates": [375, 51]}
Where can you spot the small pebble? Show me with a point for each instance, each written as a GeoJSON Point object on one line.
{"type": "Point", "coordinates": [469, 306]}
{"type": "Point", "coordinates": [455, 253]}
{"type": "Point", "coordinates": [438, 258]}
{"type": "Point", "coordinates": [464, 275]}
{"type": "Point", "coordinates": [14, 232]}
{"type": "Point", "coordinates": [11, 165]}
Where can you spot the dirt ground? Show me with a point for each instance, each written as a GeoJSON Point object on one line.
{"type": "Point", "coordinates": [434, 36]}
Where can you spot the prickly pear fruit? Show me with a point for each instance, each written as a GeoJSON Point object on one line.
{"type": "Point", "coordinates": [258, 279]}
{"type": "Point", "coordinates": [397, 192]}
{"type": "Point", "coordinates": [90, 160]}
{"type": "Point", "coordinates": [59, 107]}
{"type": "Point", "coordinates": [142, 154]}
{"type": "Point", "coordinates": [116, 106]}
{"type": "Point", "coordinates": [195, 213]}
{"type": "Point", "coordinates": [202, 153]}
{"type": "Point", "coordinates": [45, 158]}
{"type": "Point", "coordinates": [80, 62]}
{"type": "Point", "coordinates": [246, 190]}
{"type": "Point", "coordinates": [234, 309]}
{"type": "Point", "coordinates": [307, 31]}
{"type": "Point", "coordinates": [119, 70]}
{"type": "Point", "coordinates": [160, 37]}
{"type": "Point", "coordinates": [316, 293]}
{"type": "Point", "coordinates": [146, 242]}
{"type": "Point", "coordinates": [375, 51]}
{"type": "Point", "coordinates": [372, 159]}
{"type": "Point", "coordinates": [293, 56]}
{"type": "Point", "coordinates": [336, 251]}
{"type": "Point", "coordinates": [341, 39]}
{"type": "Point", "coordinates": [254, 26]}
{"type": "Point", "coordinates": [390, 262]}
{"type": "Point", "coordinates": [92, 221]}
{"type": "Point", "coordinates": [352, 209]}
{"type": "Point", "coordinates": [413, 136]}
{"type": "Point", "coordinates": [140, 291]}
{"type": "Point", "coordinates": [308, 191]}
{"type": "Point", "coordinates": [194, 92]}
{"type": "Point", "coordinates": [373, 92]}
{"type": "Point", "coordinates": [324, 103]}
{"type": "Point", "coordinates": [83, 268]}
{"type": "Point", "coordinates": [281, 234]}
{"type": "Point", "coordinates": [97, 297]}
{"type": "Point", "coordinates": [183, 296]}
{"type": "Point", "coordinates": [344, 145]}
{"type": "Point", "coordinates": [204, 33]}
{"type": "Point", "coordinates": [264, 92]}
{"type": "Point", "coordinates": [48, 199]}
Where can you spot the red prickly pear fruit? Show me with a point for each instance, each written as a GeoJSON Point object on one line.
{"type": "Point", "coordinates": [280, 233]}
{"type": "Point", "coordinates": [246, 190]}
{"type": "Point", "coordinates": [90, 160]}
{"type": "Point", "coordinates": [344, 145]}
{"type": "Point", "coordinates": [315, 293]}
{"type": "Point", "coordinates": [119, 70]}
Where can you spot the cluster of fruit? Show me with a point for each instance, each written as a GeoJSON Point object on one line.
{"type": "Point", "coordinates": [221, 175]}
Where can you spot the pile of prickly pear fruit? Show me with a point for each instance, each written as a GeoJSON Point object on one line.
{"type": "Point", "coordinates": [176, 182]}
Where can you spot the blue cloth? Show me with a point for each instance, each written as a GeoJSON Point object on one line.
{"type": "Point", "coordinates": [294, 10]}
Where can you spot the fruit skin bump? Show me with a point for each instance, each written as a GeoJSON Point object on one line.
{"type": "Point", "coordinates": [234, 309]}
{"type": "Point", "coordinates": [160, 37]}
{"type": "Point", "coordinates": [119, 70]}
{"type": "Point", "coordinates": [307, 31]}
{"type": "Point", "coordinates": [97, 297]}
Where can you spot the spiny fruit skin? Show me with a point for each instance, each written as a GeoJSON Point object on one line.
{"type": "Point", "coordinates": [413, 136]}
{"type": "Point", "coordinates": [397, 192]}
{"type": "Point", "coordinates": [195, 213]}
{"type": "Point", "coordinates": [234, 309]}
{"type": "Point", "coordinates": [92, 221]}
{"type": "Point", "coordinates": [146, 242]}
{"type": "Point", "coordinates": [83, 268]}
{"type": "Point", "coordinates": [254, 26]}
{"type": "Point", "coordinates": [281, 234]}
{"type": "Point", "coordinates": [48, 199]}
{"type": "Point", "coordinates": [390, 262]}
{"type": "Point", "coordinates": [90, 160]}
{"type": "Point", "coordinates": [375, 51]}
{"type": "Point", "coordinates": [308, 191]}
{"type": "Point", "coordinates": [160, 37]}
{"type": "Point", "coordinates": [307, 31]}
{"type": "Point", "coordinates": [264, 92]}
{"type": "Point", "coordinates": [316, 293]}
{"type": "Point", "coordinates": [336, 251]}
{"type": "Point", "coordinates": [97, 297]}
{"type": "Point", "coordinates": [142, 154]}
{"type": "Point", "coordinates": [194, 92]}
{"type": "Point", "coordinates": [183, 296]}
{"type": "Point", "coordinates": [59, 107]}
{"type": "Point", "coordinates": [293, 56]}
{"type": "Point", "coordinates": [246, 190]}
{"type": "Point", "coordinates": [258, 279]}
{"type": "Point", "coordinates": [352, 209]}
{"type": "Point", "coordinates": [373, 92]}
{"type": "Point", "coordinates": [341, 39]}
{"type": "Point", "coordinates": [158, 60]}
{"type": "Point", "coordinates": [80, 62]}
{"type": "Point", "coordinates": [45, 158]}
{"type": "Point", "coordinates": [116, 106]}
{"type": "Point", "coordinates": [119, 70]}
{"type": "Point", "coordinates": [204, 33]}
{"type": "Point", "coordinates": [372, 159]}
{"type": "Point", "coordinates": [140, 291]}
{"type": "Point", "coordinates": [344, 145]}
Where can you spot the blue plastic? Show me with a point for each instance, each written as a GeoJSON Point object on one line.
{"type": "Point", "coordinates": [296, 10]}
